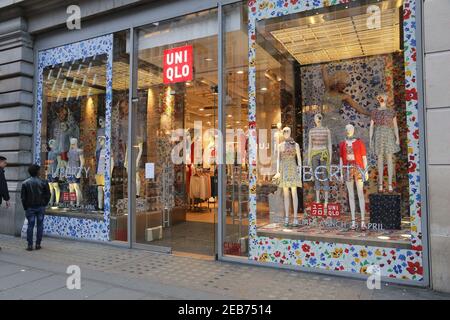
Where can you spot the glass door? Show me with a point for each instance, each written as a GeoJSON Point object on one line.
{"type": "Point", "coordinates": [175, 136]}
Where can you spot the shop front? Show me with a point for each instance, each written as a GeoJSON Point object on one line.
{"type": "Point", "coordinates": [274, 132]}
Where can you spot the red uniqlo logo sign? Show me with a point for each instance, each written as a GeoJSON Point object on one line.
{"type": "Point", "coordinates": [65, 196]}
{"type": "Point", "coordinates": [317, 210]}
{"type": "Point", "coordinates": [178, 65]}
{"type": "Point", "coordinates": [73, 196]}
{"type": "Point", "coordinates": [334, 210]}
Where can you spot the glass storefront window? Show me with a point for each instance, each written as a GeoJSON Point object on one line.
{"type": "Point", "coordinates": [235, 104]}
{"type": "Point", "coordinates": [331, 126]}
{"type": "Point", "coordinates": [318, 159]}
{"type": "Point", "coordinates": [119, 137]}
{"type": "Point", "coordinates": [73, 135]}
{"type": "Point", "coordinates": [82, 106]}
{"type": "Point", "coordinates": [176, 121]}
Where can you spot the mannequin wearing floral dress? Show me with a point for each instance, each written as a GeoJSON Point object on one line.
{"type": "Point", "coordinates": [384, 139]}
{"type": "Point", "coordinates": [289, 173]}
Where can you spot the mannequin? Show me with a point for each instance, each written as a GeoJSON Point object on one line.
{"type": "Point", "coordinates": [384, 139]}
{"type": "Point", "coordinates": [100, 130]}
{"type": "Point", "coordinates": [353, 158]}
{"type": "Point", "coordinates": [63, 140]}
{"type": "Point", "coordinates": [289, 163]}
{"type": "Point", "coordinates": [74, 168]}
{"type": "Point", "coordinates": [209, 155]}
{"type": "Point", "coordinates": [53, 173]}
{"type": "Point", "coordinates": [100, 170]}
{"type": "Point", "coordinates": [319, 154]}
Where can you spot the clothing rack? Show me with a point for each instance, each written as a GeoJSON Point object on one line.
{"type": "Point", "coordinates": [195, 202]}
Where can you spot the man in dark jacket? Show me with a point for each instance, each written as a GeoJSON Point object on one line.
{"type": "Point", "coordinates": [4, 193]}
{"type": "Point", "coordinates": [35, 196]}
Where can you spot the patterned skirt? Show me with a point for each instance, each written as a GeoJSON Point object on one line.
{"type": "Point", "coordinates": [290, 175]}
{"type": "Point", "coordinates": [384, 140]}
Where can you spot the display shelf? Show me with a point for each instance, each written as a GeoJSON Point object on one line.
{"type": "Point", "coordinates": [397, 239]}
{"type": "Point", "coordinates": [62, 212]}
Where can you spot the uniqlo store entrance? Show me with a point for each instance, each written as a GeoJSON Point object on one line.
{"type": "Point", "coordinates": [281, 132]}
{"type": "Point", "coordinates": [176, 114]}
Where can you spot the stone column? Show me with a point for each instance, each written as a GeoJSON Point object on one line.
{"type": "Point", "coordinates": [16, 103]}
{"type": "Point", "coordinates": [437, 102]}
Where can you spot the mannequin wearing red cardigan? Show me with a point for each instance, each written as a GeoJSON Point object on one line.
{"type": "Point", "coordinates": [353, 159]}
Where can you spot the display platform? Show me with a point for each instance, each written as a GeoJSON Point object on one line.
{"type": "Point", "coordinates": [341, 233]}
{"type": "Point", "coordinates": [74, 213]}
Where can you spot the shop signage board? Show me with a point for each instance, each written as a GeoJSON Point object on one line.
{"type": "Point", "coordinates": [178, 64]}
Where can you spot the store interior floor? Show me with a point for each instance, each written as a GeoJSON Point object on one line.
{"type": "Point", "coordinates": [197, 235]}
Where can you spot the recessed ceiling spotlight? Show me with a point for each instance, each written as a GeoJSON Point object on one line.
{"type": "Point", "coordinates": [208, 59]}
{"type": "Point", "coordinates": [240, 72]}
{"type": "Point", "coordinates": [230, 116]}
{"type": "Point", "coordinates": [264, 89]}
{"type": "Point", "coordinates": [201, 109]}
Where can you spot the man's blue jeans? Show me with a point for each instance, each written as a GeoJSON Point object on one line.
{"type": "Point", "coordinates": [34, 215]}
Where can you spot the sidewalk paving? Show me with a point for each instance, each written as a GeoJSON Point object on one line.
{"type": "Point", "coordinates": [117, 273]}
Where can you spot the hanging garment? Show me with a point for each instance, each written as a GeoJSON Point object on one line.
{"type": "Point", "coordinates": [359, 151]}
{"type": "Point", "coordinates": [196, 187]}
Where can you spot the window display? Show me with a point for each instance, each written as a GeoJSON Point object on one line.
{"type": "Point", "coordinates": [339, 88]}
{"type": "Point", "coordinates": [78, 140]}
{"type": "Point", "coordinates": [74, 94]}
{"type": "Point", "coordinates": [331, 65]}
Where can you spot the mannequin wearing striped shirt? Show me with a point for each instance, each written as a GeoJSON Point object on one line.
{"type": "Point", "coordinates": [319, 155]}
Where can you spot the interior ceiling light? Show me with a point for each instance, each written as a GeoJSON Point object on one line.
{"type": "Point", "coordinates": [344, 35]}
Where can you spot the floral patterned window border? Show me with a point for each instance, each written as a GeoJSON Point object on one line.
{"type": "Point", "coordinates": [392, 262]}
{"type": "Point", "coordinates": [65, 226]}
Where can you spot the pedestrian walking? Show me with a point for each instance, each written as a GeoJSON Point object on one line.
{"type": "Point", "coordinates": [4, 193]}
{"type": "Point", "coordinates": [35, 195]}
